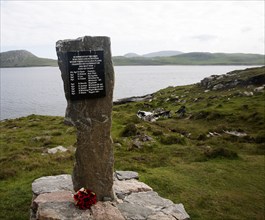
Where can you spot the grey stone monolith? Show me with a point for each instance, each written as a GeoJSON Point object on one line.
{"type": "Point", "coordinates": [89, 112]}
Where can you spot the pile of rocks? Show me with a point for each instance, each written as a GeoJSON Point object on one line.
{"type": "Point", "coordinates": [53, 199]}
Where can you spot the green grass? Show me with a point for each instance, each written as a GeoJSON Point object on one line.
{"type": "Point", "coordinates": [219, 189]}
{"type": "Point", "coordinates": [215, 177]}
{"type": "Point", "coordinates": [23, 141]}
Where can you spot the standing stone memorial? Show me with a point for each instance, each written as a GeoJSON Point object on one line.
{"type": "Point", "coordinates": [88, 77]}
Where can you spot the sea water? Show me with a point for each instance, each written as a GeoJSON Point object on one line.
{"type": "Point", "coordinates": [39, 90]}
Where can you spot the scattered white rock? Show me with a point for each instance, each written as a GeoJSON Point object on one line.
{"type": "Point", "coordinates": [153, 116]}
{"type": "Point", "coordinates": [248, 93]}
{"type": "Point", "coordinates": [42, 138]}
{"type": "Point", "coordinates": [236, 133]}
{"type": "Point", "coordinates": [212, 134]}
{"type": "Point", "coordinates": [259, 89]}
{"type": "Point", "coordinates": [57, 149]}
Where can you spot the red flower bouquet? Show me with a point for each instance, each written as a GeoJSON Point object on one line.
{"type": "Point", "coordinates": [85, 198]}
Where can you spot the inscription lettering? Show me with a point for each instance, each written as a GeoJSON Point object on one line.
{"type": "Point", "coordinates": [86, 74]}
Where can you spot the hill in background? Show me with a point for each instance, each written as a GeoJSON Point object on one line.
{"type": "Point", "coordinates": [23, 58]}
{"type": "Point", "coordinates": [164, 53]}
{"type": "Point", "coordinates": [194, 58]}
{"type": "Point", "coordinates": [130, 55]}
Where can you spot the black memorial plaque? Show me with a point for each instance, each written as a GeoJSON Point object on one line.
{"type": "Point", "coordinates": [86, 74]}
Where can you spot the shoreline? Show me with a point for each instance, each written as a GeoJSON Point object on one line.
{"type": "Point", "coordinates": [253, 65]}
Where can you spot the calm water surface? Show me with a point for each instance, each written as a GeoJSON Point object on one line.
{"type": "Point", "coordinates": [39, 90]}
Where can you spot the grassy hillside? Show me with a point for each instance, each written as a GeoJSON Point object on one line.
{"type": "Point", "coordinates": [195, 58]}
{"type": "Point", "coordinates": [211, 159]}
{"type": "Point", "coordinates": [23, 58]}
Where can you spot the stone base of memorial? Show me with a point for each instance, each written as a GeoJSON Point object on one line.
{"type": "Point", "coordinates": [53, 199]}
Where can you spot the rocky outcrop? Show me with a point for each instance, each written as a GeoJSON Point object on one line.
{"type": "Point", "coordinates": [234, 78]}
{"type": "Point", "coordinates": [53, 199]}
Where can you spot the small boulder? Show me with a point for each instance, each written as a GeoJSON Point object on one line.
{"type": "Point", "coordinates": [259, 89]}
{"type": "Point", "coordinates": [218, 86]}
{"type": "Point", "coordinates": [57, 149]}
{"type": "Point", "coordinates": [248, 93]}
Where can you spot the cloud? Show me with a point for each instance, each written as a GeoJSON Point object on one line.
{"type": "Point", "coordinates": [136, 26]}
{"type": "Point", "coordinates": [246, 29]}
{"type": "Point", "coordinates": [204, 37]}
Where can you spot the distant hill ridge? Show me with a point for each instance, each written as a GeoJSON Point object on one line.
{"type": "Point", "coordinates": [164, 53]}
{"type": "Point", "coordinates": [18, 53]}
{"type": "Point", "coordinates": [193, 58]}
{"type": "Point", "coordinates": [23, 58]}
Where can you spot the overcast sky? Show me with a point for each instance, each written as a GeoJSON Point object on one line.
{"type": "Point", "coordinates": [135, 26]}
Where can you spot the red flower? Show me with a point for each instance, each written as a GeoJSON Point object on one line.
{"type": "Point", "coordinates": [85, 198]}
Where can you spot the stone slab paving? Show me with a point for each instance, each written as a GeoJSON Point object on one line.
{"type": "Point", "coordinates": [53, 199]}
